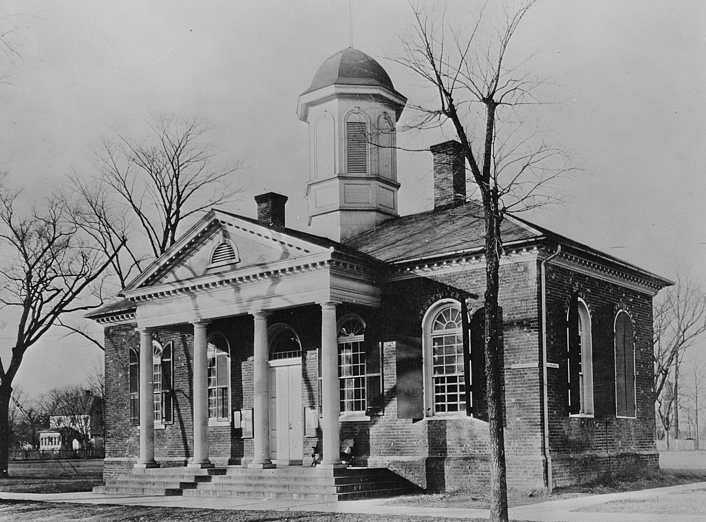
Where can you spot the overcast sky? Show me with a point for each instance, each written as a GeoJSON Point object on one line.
{"type": "Point", "coordinates": [630, 77]}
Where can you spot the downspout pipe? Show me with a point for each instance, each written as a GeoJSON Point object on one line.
{"type": "Point", "coordinates": [545, 386]}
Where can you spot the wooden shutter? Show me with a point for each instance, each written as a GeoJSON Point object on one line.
{"type": "Point", "coordinates": [574, 357]}
{"type": "Point", "coordinates": [373, 378]}
{"type": "Point", "coordinates": [410, 378]}
{"type": "Point", "coordinates": [467, 377]}
{"type": "Point", "coordinates": [167, 386]}
{"type": "Point", "coordinates": [480, 387]}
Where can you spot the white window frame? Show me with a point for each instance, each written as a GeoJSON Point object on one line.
{"type": "Point", "coordinates": [428, 360]}
{"type": "Point", "coordinates": [359, 340]}
{"type": "Point", "coordinates": [586, 374]}
{"type": "Point", "coordinates": [212, 353]}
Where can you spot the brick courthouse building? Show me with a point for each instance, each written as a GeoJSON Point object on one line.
{"type": "Point", "coordinates": [252, 344]}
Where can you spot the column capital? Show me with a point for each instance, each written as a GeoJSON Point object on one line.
{"type": "Point", "coordinates": [201, 322]}
{"type": "Point", "coordinates": [328, 305]}
{"type": "Point", "coordinates": [260, 314]}
{"type": "Point", "coordinates": [145, 329]}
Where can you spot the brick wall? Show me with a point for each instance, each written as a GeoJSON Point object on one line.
{"type": "Point", "coordinates": [439, 454]}
{"type": "Point", "coordinates": [447, 454]}
{"type": "Point", "coordinates": [584, 448]}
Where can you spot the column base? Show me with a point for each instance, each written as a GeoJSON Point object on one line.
{"type": "Point", "coordinates": [262, 465]}
{"type": "Point", "coordinates": [145, 465]}
{"type": "Point", "coordinates": [199, 465]}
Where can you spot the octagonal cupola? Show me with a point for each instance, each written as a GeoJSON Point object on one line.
{"type": "Point", "coordinates": [352, 109]}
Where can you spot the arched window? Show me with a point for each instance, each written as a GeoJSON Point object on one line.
{"type": "Point", "coordinates": [580, 358]}
{"type": "Point", "coordinates": [624, 366]}
{"type": "Point", "coordinates": [359, 369]}
{"type": "Point", "coordinates": [444, 359]}
{"type": "Point", "coordinates": [218, 379]}
{"type": "Point", "coordinates": [162, 382]}
{"type": "Point", "coordinates": [134, 378]}
{"type": "Point", "coordinates": [284, 342]}
{"type": "Point", "coordinates": [356, 144]}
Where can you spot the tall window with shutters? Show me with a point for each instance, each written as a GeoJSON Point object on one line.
{"type": "Point", "coordinates": [444, 360]}
{"type": "Point", "coordinates": [134, 378]}
{"type": "Point", "coordinates": [579, 358]}
{"type": "Point", "coordinates": [162, 384]}
{"type": "Point", "coordinates": [356, 144]}
{"type": "Point", "coordinates": [162, 391]}
{"type": "Point", "coordinates": [218, 354]}
{"type": "Point", "coordinates": [359, 369]}
{"type": "Point", "coordinates": [624, 366]}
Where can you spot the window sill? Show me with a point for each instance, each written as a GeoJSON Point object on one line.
{"type": "Point", "coordinates": [157, 426]}
{"type": "Point", "coordinates": [353, 417]}
{"type": "Point", "coordinates": [454, 416]}
{"type": "Point", "coordinates": [581, 416]}
{"type": "Point", "coordinates": [216, 423]}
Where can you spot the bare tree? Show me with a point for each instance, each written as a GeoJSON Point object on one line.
{"type": "Point", "coordinates": [46, 270]}
{"type": "Point", "coordinates": [147, 188]}
{"type": "Point", "coordinates": [679, 321]}
{"type": "Point", "coordinates": [484, 101]}
{"type": "Point", "coordinates": [693, 393]}
{"type": "Point", "coordinates": [8, 50]}
{"type": "Point", "coordinates": [74, 409]}
{"type": "Point", "coordinates": [26, 419]}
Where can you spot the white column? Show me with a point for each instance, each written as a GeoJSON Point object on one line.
{"type": "Point", "coordinates": [146, 406]}
{"type": "Point", "coordinates": [330, 391]}
{"type": "Point", "coordinates": [261, 385]}
{"type": "Point", "coordinates": [200, 405]}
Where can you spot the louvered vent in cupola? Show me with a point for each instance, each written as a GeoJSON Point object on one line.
{"type": "Point", "coordinates": [357, 147]}
{"type": "Point", "coordinates": [225, 253]}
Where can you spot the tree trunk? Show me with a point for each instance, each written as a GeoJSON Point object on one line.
{"type": "Point", "coordinates": [493, 370]}
{"type": "Point", "coordinates": [5, 393]}
{"type": "Point", "coordinates": [696, 414]}
{"type": "Point", "coordinates": [676, 399]}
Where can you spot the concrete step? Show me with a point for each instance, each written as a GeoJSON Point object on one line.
{"type": "Point", "coordinates": [280, 483]}
{"type": "Point", "coordinates": [281, 495]}
{"type": "Point", "coordinates": [137, 490]}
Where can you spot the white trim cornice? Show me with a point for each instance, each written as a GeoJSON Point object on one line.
{"type": "Point", "coordinates": [599, 271]}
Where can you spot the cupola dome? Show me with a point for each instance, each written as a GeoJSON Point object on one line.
{"type": "Point", "coordinates": [350, 67]}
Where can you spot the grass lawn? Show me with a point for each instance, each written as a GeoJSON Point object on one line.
{"type": "Point", "coordinates": [17, 511]}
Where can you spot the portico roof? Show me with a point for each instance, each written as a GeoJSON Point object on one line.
{"type": "Point", "coordinates": [273, 268]}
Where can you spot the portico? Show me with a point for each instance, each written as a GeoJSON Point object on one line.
{"type": "Point", "coordinates": [301, 274]}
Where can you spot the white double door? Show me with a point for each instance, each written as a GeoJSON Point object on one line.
{"type": "Point", "coordinates": [286, 425]}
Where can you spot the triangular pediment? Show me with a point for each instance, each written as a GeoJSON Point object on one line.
{"type": "Point", "coordinates": [223, 243]}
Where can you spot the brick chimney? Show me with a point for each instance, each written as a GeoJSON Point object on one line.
{"type": "Point", "coordinates": [270, 209]}
{"type": "Point", "coordinates": [449, 173]}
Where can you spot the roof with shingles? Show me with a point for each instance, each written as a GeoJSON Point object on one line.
{"type": "Point", "coordinates": [456, 230]}
{"type": "Point", "coordinates": [434, 233]}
